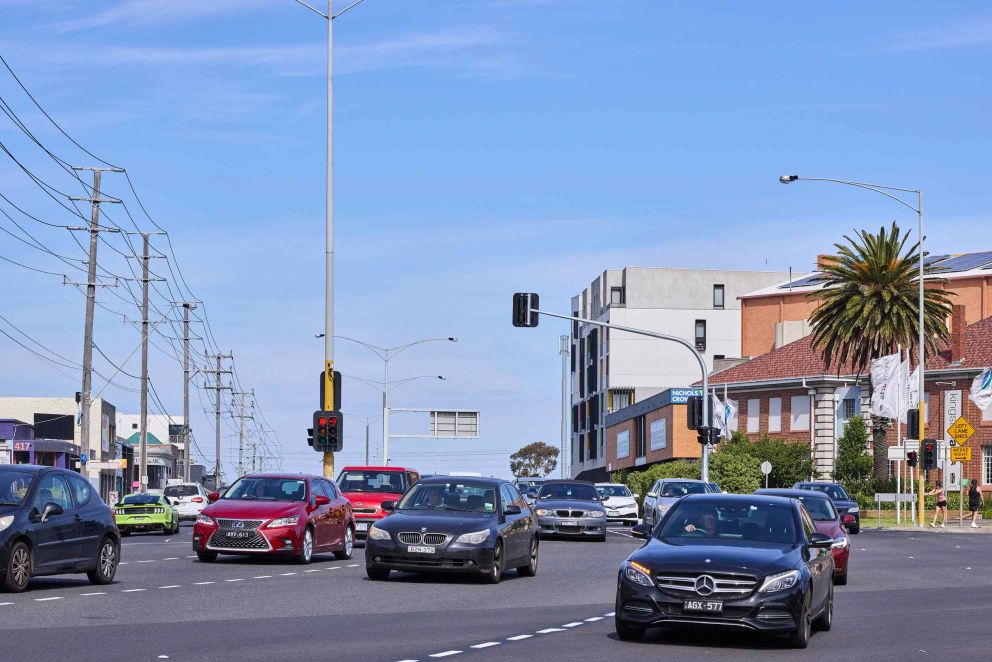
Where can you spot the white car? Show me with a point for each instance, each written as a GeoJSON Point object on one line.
{"type": "Point", "coordinates": [621, 505]}
{"type": "Point", "coordinates": [189, 499]}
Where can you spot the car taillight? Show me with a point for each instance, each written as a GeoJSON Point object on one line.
{"type": "Point", "coordinates": [197, 499]}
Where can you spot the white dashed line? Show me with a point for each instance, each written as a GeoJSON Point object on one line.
{"type": "Point", "coordinates": [352, 565]}
{"type": "Point", "coordinates": [263, 577]}
{"type": "Point", "coordinates": [286, 574]}
{"type": "Point", "coordinates": [967, 568]}
{"type": "Point", "coordinates": [171, 586]}
{"type": "Point", "coordinates": [594, 619]}
{"type": "Point", "coordinates": [445, 654]}
{"type": "Point", "coordinates": [335, 567]}
{"type": "Point", "coordinates": [4, 604]}
{"type": "Point", "coordinates": [134, 590]}
{"type": "Point", "coordinates": [46, 599]}
{"type": "Point", "coordinates": [317, 570]}
{"type": "Point", "coordinates": [572, 625]}
{"type": "Point", "coordinates": [201, 583]}
{"type": "Point", "coordinates": [123, 563]}
{"type": "Point", "coordinates": [488, 644]}
{"type": "Point", "coordinates": [519, 637]}
{"type": "Point", "coordinates": [549, 630]}
{"type": "Point", "coordinates": [612, 613]}
{"type": "Point", "coordinates": [171, 558]}
{"type": "Point", "coordinates": [88, 594]}
{"type": "Point", "coordinates": [234, 580]}
{"type": "Point", "coordinates": [192, 556]}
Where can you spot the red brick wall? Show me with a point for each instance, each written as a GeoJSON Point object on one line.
{"type": "Point", "coordinates": [742, 398]}
{"type": "Point", "coordinates": [682, 442]}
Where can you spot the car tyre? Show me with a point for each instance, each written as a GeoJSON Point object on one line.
{"type": "Point", "coordinates": [495, 573]}
{"type": "Point", "coordinates": [601, 538]}
{"type": "Point", "coordinates": [376, 574]}
{"type": "Point", "coordinates": [19, 567]}
{"type": "Point", "coordinates": [106, 563]}
{"type": "Point", "coordinates": [856, 530]}
{"type": "Point", "coordinates": [349, 545]}
{"type": "Point", "coordinates": [306, 547]}
{"type": "Point", "coordinates": [530, 569]}
{"type": "Point", "coordinates": [206, 557]}
{"type": "Point", "coordinates": [627, 631]}
{"type": "Point", "coordinates": [840, 580]}
{"type": "Point", "coordinates": [800, 637]}
{"type": "Point", "coordinates": [825, 620]}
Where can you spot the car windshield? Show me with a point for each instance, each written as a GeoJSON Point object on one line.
{"type": "Point", "coordinates": [682, 488]}
{"type": "Point", "coordinates": [14, 486]}
{"type": "Point", "coordinates": [390, 482]}
{"type": "Point", "coordinates": [179, 491]}
{"type": "Point", "coordinates": [528, 485]}
{"type": "Point", "coordinates": [141, 499]}
{"type": "Point", "coordinates": [835, 492]}
{"type": "Point", "coordinates": [453, 495]}
{"type": "Point", "coordinates": [819, 508]}
{"type": "Point", "coordinates": [577, 491]}
{"type": "Point", "coordinates": [744, 522]}
{"type": "Point", "coordinates": [268, 489]}
{"type": "Point", "coordinates": [606, 491]}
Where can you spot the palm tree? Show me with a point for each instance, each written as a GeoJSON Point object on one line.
{"type": "Point", "coordinates": [869, 306]}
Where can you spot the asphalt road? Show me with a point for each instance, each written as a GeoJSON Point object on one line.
{"type": "Point", "coordinates": [910, 596]}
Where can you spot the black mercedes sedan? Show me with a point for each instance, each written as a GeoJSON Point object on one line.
{"type": "Point", "coordinates": [749, 562]}
{"type": "Point", "coordinates": [571, 508]}
{"type": "Point", "coordinates": [480, 526]}
{"type": "Point", "coordinates": [52, 522]}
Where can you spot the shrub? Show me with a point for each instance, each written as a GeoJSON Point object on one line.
{"type": "Point", "coordinates": [735, 472]}
{"type": "Point", "coordinates": [640, 482]}
{"type": "Point", "coordinates": [854, 464]}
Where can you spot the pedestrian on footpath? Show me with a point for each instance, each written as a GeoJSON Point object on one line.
{"type": "Point", "coordinates": [938, 491]}
{"type": "Point", "coordinates": [974, 503]}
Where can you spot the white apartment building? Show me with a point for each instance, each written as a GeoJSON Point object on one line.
{"type": "Point", "coordinates": [165, 446]}
{"type": "Point", "coordinates": [613, 369]}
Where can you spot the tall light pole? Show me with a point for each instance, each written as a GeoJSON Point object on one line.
{"type": "Point", "coordinates": [921, 349]}
{"type": "Point", "coordinates": [563, 349]}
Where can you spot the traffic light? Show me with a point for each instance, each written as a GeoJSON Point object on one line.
{"type": "Point", "coordinates": [913, 424]}
{"type": "Point", "coordinates": [524, 306]}
{"type": "Point", "coordinates": [694, 413]}
{"type": "Point", "coordinates": [911, 458]}
{"type": "Point", "coordinates": [708, 436]}
{"type": "Point", "coordinates": [328, 437]}
{"type": "Point", "coordinates": [310, 437]}
{"type": "Point", "coordinates": [929, 454]}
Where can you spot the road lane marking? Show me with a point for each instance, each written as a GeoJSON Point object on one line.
{"type": "Point", "coordinates": [316, 570]}
{"type": "Point", "coordinates": [97, 593]}
{"type": "Point", "coordinates": [171, 586]}
{"type": "Point", "coordinates": [263, 577]}
{"type": "Point", "coordinates": [625, 535]}
{"type": "Point", "coordinates": [612, 613]}
{"type": "Point", "coordinates": [572, 625]}
{"type": "Point", "coordinates": [234, 580]}
{"type": "Point", "coordinates": [122, 563]}
{"type": "Point", "coordinates": [286, 574]}
{"type": "Point", "coordinates": [445, 654]}
{"type": "Point", "coordinates": [148, 561]}
{"type": "Point", "coordinates": [201, 583]}
{"type": "Point", "coordinates": [134, 590]}
{"type": "Point", "coordinates": [352, 565]}
{"type": "Point", "coordinates": [171, 558]}
{"type": "Point", "coordinates": [549, 630]}
{"type": "Point", "coordinates": [519, 637]}
{"type": "Point", "coordinates": [594, 619]}
{"type": "Point", "coordinates": [488, 644]}
{"type": "Point", "coordinates": [335, 567]}
{"type": "Point", "coordinates": [192, 556]}
{"type": "Point", "coordinates": [46, 599]}
{"type": "Point", "coordinates": [4, 604]}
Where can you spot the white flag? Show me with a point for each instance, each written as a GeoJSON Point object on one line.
{"type": "Point", "coordinates": [981, 390]}
{"type": "Point", "coordinates": [912, 391]}
{"type": "Point", "coordinates": [720, 417]}
{"type": "Point", "coordinates": [885, 385]}
{"type": "Point", "coordinates": [730, 415]}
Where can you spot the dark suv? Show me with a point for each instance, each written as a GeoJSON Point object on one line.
{"type": "Point", "coordinates": [53, 522]}
{"type": "Point", "coordinates": [844, 504]}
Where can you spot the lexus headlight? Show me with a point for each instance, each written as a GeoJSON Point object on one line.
{"type": "Point", "coordinates": [840, 543]}
{"type": "Point", "coordinates": [292, 520]}
{"type": "Point", "coordinates": [544, 512]}
{"type": "Point", "coordinates": [377, 534]}
{"type": "Point", "coordinates": [595, 513]}
{"type": "Point", "coordinates": [204, 519]}
{"type": "Point", "coordinates": [6, 521]}
{"type": "Point", "coordinates": [476, 538]}
{"type": "Point", "coordinates": [854, 509]}
{"type": "Point", "coordinates": [780, 582]}
{"type": "Point", "coordinates": [637, 573]}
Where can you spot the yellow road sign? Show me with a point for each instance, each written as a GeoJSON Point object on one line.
{"type": "Point", "coordinates": [961, 430]}
{"type": "Point", "coordinates": [961, 454]}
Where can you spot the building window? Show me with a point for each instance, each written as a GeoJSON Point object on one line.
{"type": "Point", "coordinates": [774, 414]}
{"type": "Point", "coordinates": [616, 296]}
{"type": "Point", "coordinates": [850, 409]}
{"type": "Point", "coordinates": [987, 415]}
{"type": "Point", "coordinates": [620, 398]}
{"type": "Point", "coordinates": [719, 357]}
{"type": "Point", "coordinates": [753, 415]}
{"type": "Point", "coordinates": [718, 296]}
{"type": "Point", "coordinates": [799, 413]}
{"type": "Point", "coordinates": [701, 335]}
{"type": "Point", "coordinates": [641, 437]}
{"type": "Point", "coordinates": [623, 444]}
{"type": "Point", "coordinates": [659, 434]}
{"type": "Point", "coordinates": [986, 465]}
{"type": "Point", "coordinates": [575, 326]}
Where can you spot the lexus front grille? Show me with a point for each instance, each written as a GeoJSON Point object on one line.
{"type": "Point", "coordinates": [253, 541]}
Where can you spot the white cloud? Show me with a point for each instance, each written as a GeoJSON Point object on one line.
{"type": "Point", "coordinates": [154, 12]}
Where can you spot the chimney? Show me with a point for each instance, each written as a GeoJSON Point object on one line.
{"type": "Point", "coordinates": [958, 326]}
{"type": "Point", "coordinates": [821, 260]}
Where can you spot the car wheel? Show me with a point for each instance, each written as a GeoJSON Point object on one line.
{"type": "Point", "coordinates": [106, 563]}
{"type": "Point", "coordinates": [530, 569]}
{"type": "Point", "coordinates": [206, 557]}
{"type": "Point", "coordinates": [840, 580]}
{"type": "Point", "coordinates": [306, 548]}
{"type": "Point", "coordinates": [376, 574]}
{"type": "Point", "coordinates": [800, 637]}
{"type": "Point", "coordinates": [349, 545]}
{"type": "Point", "coordinates": [495, 574]}
{"type": "Point", "coordinates": [825, 620]}
{"type": "Point", "coordinates": [627, 631]}
{"type": "Point", "coordinates": [19, 566]}
{"type": "Point", "coordinates": [856, 530]}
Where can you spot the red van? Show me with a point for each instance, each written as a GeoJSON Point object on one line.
{"type": "Point", "coordinates": [368, 487]}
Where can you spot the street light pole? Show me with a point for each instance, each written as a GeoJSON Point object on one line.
{"type": "Point", "coordinates": [921, 348]}
{"type": "Point", "coordinates": [563, 349]}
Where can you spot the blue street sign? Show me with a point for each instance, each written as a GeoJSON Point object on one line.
{"type": "Point", "coordinates": [82, 458]}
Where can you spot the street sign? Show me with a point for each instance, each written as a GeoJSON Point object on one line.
{"type": "Point", "coordinates": [766, 467]}
{"type": "Point", "coordinates": [961, 454]}
{"type": "Point", "coordinates": [961, 430]}
{"type": "Point", "coordinates": [99, 466]}
{"type": "Point", "coordinates": [83, 458]}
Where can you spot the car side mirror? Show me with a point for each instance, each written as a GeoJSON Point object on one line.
{"type": "Point", "coordinates": [213, 496]}
{"type": "Point", "coordinates": [820, 540]}
{"type": "Point", "coordinates": [321, 500]}
{"type": "Point", "coordinates": [511, 509]}
{"type": "Point", "coordinates": [653, 494]}
{"type": "Point", "coordinates": [388, 506]}
{"type": "Point", "coordinates": [637, 496]}
{"type": "Point", "coordinates": [51, 508]}
{"type": "Point", "coordinates": [641, 531]}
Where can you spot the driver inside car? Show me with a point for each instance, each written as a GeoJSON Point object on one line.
{"type": "Point", "coordinates": [704, 522]}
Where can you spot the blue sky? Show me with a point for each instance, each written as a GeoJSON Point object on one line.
{"type": "Point", "coordinates": [482, 147]}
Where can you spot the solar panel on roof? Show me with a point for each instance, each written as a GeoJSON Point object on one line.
{"type": "Point", "coordinates": [966, 262]}
{"type": "Point", "coordinates": [802, 282]}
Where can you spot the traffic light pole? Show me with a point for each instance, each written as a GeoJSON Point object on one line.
{"type": "Point", "coordinates": [661, 336]}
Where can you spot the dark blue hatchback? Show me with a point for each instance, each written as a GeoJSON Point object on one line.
{"type": "Point", "coordinates": [53, 522]}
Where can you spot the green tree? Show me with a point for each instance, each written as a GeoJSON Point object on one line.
{"type": "Point", "coordinates": [735, 472]}
{"type": "Point", "coordinates": [869, 305]}
{"type": "Point", "coordinates": [534, 459]}
{"type": "Point", "coordinates": [853, 462]}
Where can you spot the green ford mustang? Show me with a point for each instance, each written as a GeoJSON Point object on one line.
{"type": "Point", "coordinates": [146, 512]}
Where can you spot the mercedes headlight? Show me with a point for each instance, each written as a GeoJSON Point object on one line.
{"type": "Point", "coordinates": [780, 582]}
{"type": "Point", "coordinates": [205, 519]}
{"type": "Point", "coordinates": [637, 573]}
{"type": "Point", "coordinates": [840, 543]}
{"type": "Point", "coordinates": [544, 512]}
{"type": "Point", "coordinates": [476, 538]}
{"type": "Point", "coordinates": [6, 521]}
{"type": "Point", "coordinates": [377, 534]}
{"type": "Point", "coordinates": [292, 520]}
{"type": "Point", "coordinates": [595, 513]}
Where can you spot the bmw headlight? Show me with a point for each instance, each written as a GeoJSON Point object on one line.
{"type": "Point", "coordinates": [637, 573]}
{"type": "Point", "coordinates": [6, 521]}
{"type": "Point", "coordinates": [544, 512]}
{"type": "Point", "coordinates": [377, 534]}
{"type": "Point", "coordinates": [292, 520]}
{"type": "Point", "coordinates": [840, 542]}
{"type": "Point", "coordinates": [595, 513]}
{"type": "Point", "coordinates": [854, 509]}
{"type": "Point", "coordinates": [780, 582]}
{"type": "Point", "coordinates": [205, 519]}
{"type": "Point", "coordinates": [476, 538]}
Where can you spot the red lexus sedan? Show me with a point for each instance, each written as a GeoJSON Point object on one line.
{"type": "Point", "coordinates": [276, 514]}
{"type": "Point", "coordinates": [827, 520]}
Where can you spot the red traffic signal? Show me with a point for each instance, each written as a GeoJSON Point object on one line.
{"type": "Point", "coordinates": [911, 458]}
{"type": "Point", "coordinates": [322, 420]}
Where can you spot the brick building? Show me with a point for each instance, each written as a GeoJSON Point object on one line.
{"type": "Point", "coordinates": [650, 431]}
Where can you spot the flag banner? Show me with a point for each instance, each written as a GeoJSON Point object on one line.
{"type": "Point", "coordinates": [981, 390]}
{"type": "Point", "coordinates": [720, 417]}
{"type": "Point", "coordinates": [730, 415]}
{"type": "Point", "coordinates": [885, 386]}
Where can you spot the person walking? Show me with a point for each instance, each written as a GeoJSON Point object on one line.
{"type": "Point", "coordinates": [974, 503]}
{"type": "Point", "coordinates": [938, 491]}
